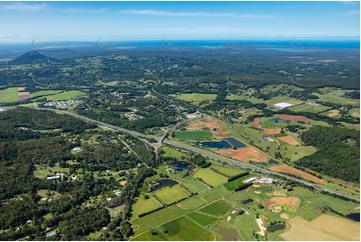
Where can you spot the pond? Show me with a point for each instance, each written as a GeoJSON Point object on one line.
{"type": "Point", "coordinates": [353, 216]}
{"type": "Point", "coordinates": [235, 143]}
{"type": "Point", "coordinates": [227, 234]}
{"type": "Point", "coordinates": [215, 144]}
{"type": "Point", "coordinates": [156, 185]}
{"type": "Point", "coordinates": [275, 227]}
{"type": "Point", "coordinates": [179, 165]}
{"type": "Point", "coordinates": [247, 201]}
{"type": "Point", "coordinates": [272, 162]}
{"type": "Point", "coordinates": [278, 120]}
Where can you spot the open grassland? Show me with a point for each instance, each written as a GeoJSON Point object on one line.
{"type": "Point", "coordinates": [202, 219]}
{"type": "Point", "coordinates": [309, 108]}
{"type": "Point", "coordinates": [235, 183]}
{"type": "Point", "coordinates": [143, 205]}
{"type": "Point", "coordinates": [334, 98]}
{"type": "Point", "coordinates": [193, 135]}
{"type": "Point", "coordinates": [45, 93]}
{"type": "Point", "coordinates": [171, 194]}
{"type": "Point", "coordinates": [66, 95]}
{"type": "Point", "coordinates": [334, 113]}
{"type": "Point", "coordinates": [244, 97]}
{"type": "Point", "coordinates": [291, 202]}
{"type": "Point", "coordinates": [324, 227]}
{"type": "Point", "coordinates": [210, 177]}
{"type": "Point", "coordinates": [181, 229]}
{"type": "Point", "coordinates": [169, 152]}
{"type": "Point", "coordinates": [275, 100]}
{"type": "Point", "coordinates": [351, 126]}
{"type": "Point", "coordinates": [289, 140]}
{"type": "Point", "coordinates": [196, 97]}
{"type": "Point", "coordinates": [354, 112]}
{"type": "Point", "coordinates": [9, 95]}
{"type": "Point", "coordinates": [218, 208]}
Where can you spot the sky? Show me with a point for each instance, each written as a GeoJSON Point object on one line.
{"type": "Point", "coordinates": [22, 21]}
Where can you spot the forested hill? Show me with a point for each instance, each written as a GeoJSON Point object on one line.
{"type": "Point", "coordinates": [338, 152]}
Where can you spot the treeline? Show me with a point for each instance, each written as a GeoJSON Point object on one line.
{"type": "Point", "coordinates": [338, 152]}
{"type": "Point", "coordinates": [232, 178]}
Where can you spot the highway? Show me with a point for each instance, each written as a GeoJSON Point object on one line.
{"type": "Point", "coordinates": [208, 154]}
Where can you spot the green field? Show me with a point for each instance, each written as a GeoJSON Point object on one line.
{"type": "Point", "coordinates": [171, 194]}
{"type": "Point", "coordinates": [192, 203]}
{"type": "Point", "coordinates": [143, 205]}
{"type": "Point", "coordinates": [309, 108]}
{"type": "Point", "coordinates": [332, 97]}
{"type": "Point", "coordinates": [214, 194]}
{"type": "Point", "coordinates": [193, 135]}
{"type": "Point", "coordinates": [210, 177]}
{"type": "Point", "coordinates": [355, 112]}
{"type": "Point", "coordinates": [196, 97]}
{"type": "Point", "coordinates": [202, 219]}
{"type": "Point", "coordinates": [181, 229]}
{"type": "Point", "coordinates": [45, 93]}
{"type": "Point", "coordinates": [66, 95]}
{"type": "Point", "coordinates": [226, 170]}
{"type": "Point", "coordinates": [275, 100]}
{"type": "Point", "coordinates": [218, 208]}
{"type": "Point", "coordinates": [193, 185]}
{"type": "Point", "coordinates": [244, 97]}
{"type": "Point", "coordinates": [169, 152]}
{"type": "Point", "coordinates": [9, 95]}
{"type": "Point", "coordinates": [234, 184]}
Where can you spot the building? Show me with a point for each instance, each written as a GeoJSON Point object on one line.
{"type": "Point", "coordinates": [264, 180]}
{"type": "Point", "coordinates": [249, 180]}
{"type": "Point", "coordinates": [283, 105]}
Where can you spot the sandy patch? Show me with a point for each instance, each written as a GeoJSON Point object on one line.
{"type": "Point", "coordinates": [122, 183]}
{"type": "Point", "coordinates": [293, 118]}
{"type": "Point", "coordinates": [290, 170]}
{"type": "Point", "coordinates": [255, 185]}
{"type": "Point", "coordinates": [333, 113]}
{"type": "Point", "coordinates": [272, 131]}
{"type": "Point", "coordinates": [289, 140]}
{"type": "Point", "coordinates": [280, 193]}
{"type": "Point", "coordinates": [285, 216]}
{"type": "Point", "coordinates": [256, 122]}
{"type": "Point", "coordinates": [21, 89]}
{"type": "Point", "coordinates": [245, 154]}
{"type": "Point", "coordinates": [257, 192]}
{"type": "Point", "coordinates": [261, 227]}
{"type": "Point", "coordinates": [274, 203]}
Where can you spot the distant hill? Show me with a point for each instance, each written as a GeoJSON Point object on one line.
{"type": "Point", "coordinates": [31, 57]}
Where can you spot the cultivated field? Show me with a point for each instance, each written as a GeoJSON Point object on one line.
{"type": "Point", "coordinates": [294, 118]}
{"type": "Point", "coordinates": [9, 95]}
{"type": "Point", "coordinates": [196, 97]}
{"type": "Point", "coordinates": [66, 95]}
{"type": "Point", "coordinates": [193, 135]}
{"type": "Point", "coordinates": [245, 154]}
{"type": "Point", "coordinates": [143, 205]}
{"type": "Point", "coordinates": [288, 139]}
{"type": "Point", "coordinates": [202, 219]}
{"type": "Point", "coordinates": [218, 208]}
{"type": "Point", "coordinates": [290, 170]}
{"type": "Point", "coordinates": [171, 194]}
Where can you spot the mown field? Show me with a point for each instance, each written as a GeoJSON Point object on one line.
{"type": "Point", "coordinates": [66, 95]}
{"type": "Point", "coordinates": [9, 95]}
{"type": "Point", "coordinates": [171, 194]}
{"type": "Point", "coordinates": [210, 177]}
{"type": "Point", "coordinates": [193, 135]}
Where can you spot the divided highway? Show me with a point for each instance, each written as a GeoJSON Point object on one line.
{"type": "Point", "coordinates": [207, 153]}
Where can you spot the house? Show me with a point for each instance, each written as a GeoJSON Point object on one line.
{"type": "Point", "coordinates": [264, 180]}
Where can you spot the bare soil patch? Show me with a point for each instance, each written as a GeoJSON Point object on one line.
{"type": "Point", "coordinates": [245, 154]}
{"type": "Point", "coordinates": [272, 131]}
{"type": "Point", "coordinates": [293, 118]}
{"type": "Point", "coordinates": [290, 170]}
{"type": "Point", "coordinates": [289, 140]}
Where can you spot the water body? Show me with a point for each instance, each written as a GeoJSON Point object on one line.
{"type": "Point", "coordinates": [352, 216]}
{"type": "Point", "coordinates": [235, 143]}
{"type": "Point", "coordinates": [278, 120]}
{"type": "Point", "coordinates": [272, 162]}
{"type": "Point", "coordinates": [275, 227]}
{"type": "Point", "coordinates": [162, 183]}
{"type": "Point", "coordinates": [223, 144]}
{"type": "Point", "coordinates": [179, 165]}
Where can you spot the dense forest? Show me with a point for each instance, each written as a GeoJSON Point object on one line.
{"type": "Point", "coordinates": [337, 155]}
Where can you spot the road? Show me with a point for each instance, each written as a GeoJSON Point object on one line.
{"type": "Point", "coordinates": [208, 154]}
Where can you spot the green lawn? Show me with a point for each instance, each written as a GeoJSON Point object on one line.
{"type": "Point", "coordinates": [202, 219]}
{"type": "Point", "coordinates": [214, 194]}
{"type": "Point", "coordinates": [66, 95]}
{"type": "Point", "coordinates": [169, 152]}
{"type": "Point", "coordinates": [192, 203]}
{"type": "Point", "coordinates": [9, 95]}
{"type": "Point", "coordinates": [210, 177]}
{"type": "Point", "coordinates": [193, 135]}
{"type": "Point", "coordinates": [45, 93]}
{"type": "Point", "coordinates": [218, 208]}
{"type": "Point", "coordinates": [196, 97]}
{"type": "Point", "coordinates": [309, 108]}
{"type": "Point", "coordinates": [143, 205]}
{"type": "Point", "coordinates": [181, 229]}
{"type": "Point", "coordinates": [235, 183]}
{"type": "Point", "coordinates": [171, 194]}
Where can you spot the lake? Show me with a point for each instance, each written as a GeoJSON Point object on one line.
{"type": "Point", "coordinates": [179, 165]}
{"type": "Point", "coordinates": [156, 185]}
{"type": "Point", "coordinates": [235, 143]}
{"type": "Point", "coordinates": [215, 144]}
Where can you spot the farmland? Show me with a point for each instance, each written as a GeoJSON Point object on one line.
{"type": "Point", "coordinates": [171, 194]}
{"type": "Point", "coordinates": [210, 177]}
{"type": "Point", "coordinates": [193, 135]}
{"type": "Point", "coordinates": [66, 95]}
{"type": "Point", "coordinates": [196, 97]}
{"type": "Point", "coordinates": [9, 95]}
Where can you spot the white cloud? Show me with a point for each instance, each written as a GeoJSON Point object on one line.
{"type": "Point", "coordinates": [84, 10]}
{"type": "Point", "coordinates": [23, 7]}
{"type": "Point", "coordinates": [192, 14]}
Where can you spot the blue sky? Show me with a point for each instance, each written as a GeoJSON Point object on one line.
{"type": "Point", "coordinates": [21, 21]}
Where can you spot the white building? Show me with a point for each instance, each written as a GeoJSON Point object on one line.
{"type": "Point", "coordinates": [283, 105]}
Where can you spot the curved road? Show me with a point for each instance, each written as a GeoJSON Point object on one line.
{"type": "Point", "coordinates": [208, 154]}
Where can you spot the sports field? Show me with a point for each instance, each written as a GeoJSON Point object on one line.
{"type": "Point", "coordinates": [210, 177]}
{"type": "Point", "coordinates": [197, 97]}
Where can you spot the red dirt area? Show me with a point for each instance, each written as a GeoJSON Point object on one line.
{"type": "Point", "coordinates": [272, 131]}
{"type": "Point", "coordinates": [290, 170]}
{"type": "Point", "coordinates": [256, 122]}
{"type": "Point", "coordinates": [245, 154]}
{"type": "Point", "coordinates": [222, 132]}
{"type": "Point", "coordinates": [196, 125]}
{"type": "Point", "coordinates": [23, 96]}
{"type": "Point", "coordinates": [293, 118]}
{"type": "Point", "coordinates": [289, 140]}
